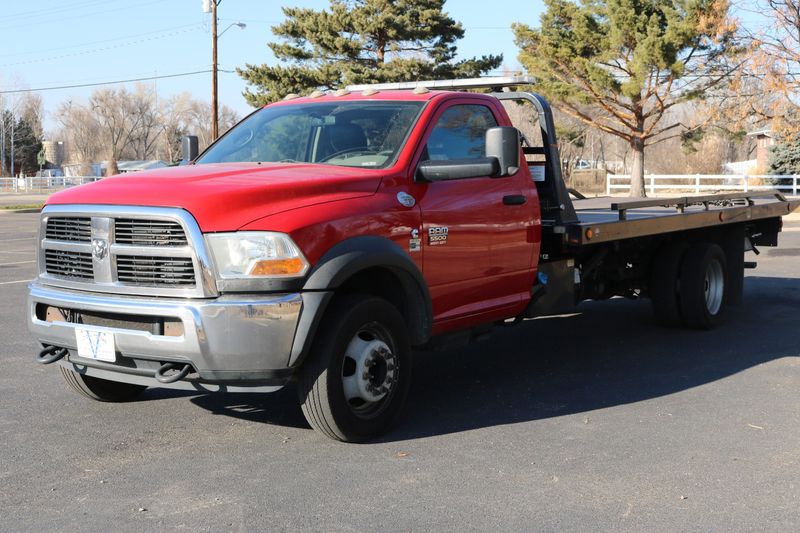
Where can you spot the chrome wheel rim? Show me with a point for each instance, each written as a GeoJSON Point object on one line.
{"type": "Point", "coordinates": [369, 371]}
{"type": "Point", "coordinates": [714, 286]}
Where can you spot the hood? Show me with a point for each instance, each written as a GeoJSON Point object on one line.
{"type": "Point", "coordinates": [226, 196]}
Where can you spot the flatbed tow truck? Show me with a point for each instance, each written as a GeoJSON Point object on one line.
{"type": "Point", "coordinates": [325, 237]}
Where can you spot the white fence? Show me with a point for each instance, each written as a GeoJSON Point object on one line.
{"type": "Point", "coordinates": [698, 183]}
{"type": "Point", "coordinates": [33, 184]}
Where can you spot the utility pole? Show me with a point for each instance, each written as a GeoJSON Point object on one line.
{"type": "Point", "coordinates": [210, 6]}
{"type": "Point", "coordinates": [3, 142]}
{"type": "Point", "coordinates": [214, 102]}
{"type": "Point", "coordinates": [12, 147]}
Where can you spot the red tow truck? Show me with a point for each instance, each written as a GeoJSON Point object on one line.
{"type": "Point", "coordinates": [324, 238]}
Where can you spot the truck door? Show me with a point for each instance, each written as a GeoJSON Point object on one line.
{"type": "Point", "coordinates": [476, 248]}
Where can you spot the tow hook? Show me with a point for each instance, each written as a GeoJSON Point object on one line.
{"type": "Point", "coordinates": [51, 354]}
{"type": "Point", "coordinates": [161, 373]}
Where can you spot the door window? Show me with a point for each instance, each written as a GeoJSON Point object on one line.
{"type": "Point", "coordinates": [460, 133]}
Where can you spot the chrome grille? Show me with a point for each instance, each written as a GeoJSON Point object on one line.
{"type": "Point", "coordinates": [140, 232]}
{"type": "Point", "coordinates": [74, 265]}
{"type": "Point", "coordinates": [75, 229]}
{"type": "Point", "coordinates": [132, 250]}
{"type": "Point", "coordinates": [155, 271]}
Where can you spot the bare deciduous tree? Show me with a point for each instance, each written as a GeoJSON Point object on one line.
{"type": "Point", "coordinates": [31, 110]}
{"type": "Point", "coordinates": [118, 124]}
{"type": "Point", "coordinates": [81, 131]}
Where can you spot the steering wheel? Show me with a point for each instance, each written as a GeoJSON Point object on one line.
{"type": "Point", "coordinates": [355, 150]}
{"type": "Point", "coordinates": [243, 138]}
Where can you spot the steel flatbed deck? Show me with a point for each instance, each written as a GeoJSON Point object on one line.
{"type": "Point", "coordinates": [606, 219]}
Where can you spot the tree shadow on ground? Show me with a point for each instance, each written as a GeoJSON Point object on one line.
{"type": "Point", "coordinates": [609, 354]}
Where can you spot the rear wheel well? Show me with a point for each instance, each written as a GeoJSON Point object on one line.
{"type": "Point", "coordinates": [397, 288]}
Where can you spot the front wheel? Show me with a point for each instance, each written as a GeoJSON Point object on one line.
{"type": "Point", "coordinates": [101, 390]}
{"type": "Point", "coordinates": [356, 379]}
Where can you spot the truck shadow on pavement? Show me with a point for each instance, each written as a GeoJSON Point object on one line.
{"type": "Point", "coordinates": [610, 354]}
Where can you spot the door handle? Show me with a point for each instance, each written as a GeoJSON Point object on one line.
{"type": "Point", "coordinates": [514, 199]}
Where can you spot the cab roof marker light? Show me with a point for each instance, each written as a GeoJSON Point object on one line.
{"type": "Point", "coordinates": [421, 90]}
{"type": "Point", "coordinates": [489, 82]}
{"type": "Point", "coordinates": [291, 96]}
{"type": "Point", "coordinates": [316, 94]}
{"type": "Point", "coordinates": [369, 92]}
{"type": "Point", "coordinates": [341, 92]}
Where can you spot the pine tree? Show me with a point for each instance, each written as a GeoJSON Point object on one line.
{"type": "Point", "coordinates": [361, 41]}
{"type": "Point", "coordinates": [784, 158]}
{"type": "Point", "coordinates": [620, 65]}
{"type": "Point", "coordinates": [26, 146]}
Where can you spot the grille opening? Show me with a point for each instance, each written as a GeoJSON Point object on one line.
{"type": "Point", "coordinates": [149, 232]}
{"type": "Point", "coordinates": [156, 325]}
{"type": "Point", "coordinates": [135, 246]}
{"type": "Point", "coordinates": [77, 265]}
{"type": "Point", "coordinates": [155, 271]}
{"type": "Point", "coordinates": [75, 229]}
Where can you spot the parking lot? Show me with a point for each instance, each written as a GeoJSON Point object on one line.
{"type": "Point", "coordinates": [598, 421]}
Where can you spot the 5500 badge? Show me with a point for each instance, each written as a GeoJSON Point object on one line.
{"type": "Point", "coordinates": [437, 235]}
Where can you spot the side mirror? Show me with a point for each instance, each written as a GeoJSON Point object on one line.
{"type": "Point", "coordinates": [503, 143]}
{"type": "Point", "coordinates": [456, 169]}
{"type": "Point", "coordinates": [190, 148]}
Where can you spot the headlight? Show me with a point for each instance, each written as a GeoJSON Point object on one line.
{"type": "Point", "coordinates": [256, 254]}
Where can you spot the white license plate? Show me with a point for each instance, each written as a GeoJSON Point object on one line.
{"type": "Point", "coordinates": [93, 344]}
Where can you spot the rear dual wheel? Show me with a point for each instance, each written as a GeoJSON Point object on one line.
{"type": "Point", "coordinates": [688, 285]}
{"type": "Point", "coordinates": [702, 286]}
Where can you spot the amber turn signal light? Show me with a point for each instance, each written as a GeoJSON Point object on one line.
{"type": "Point", "coordinates": [277, 267]}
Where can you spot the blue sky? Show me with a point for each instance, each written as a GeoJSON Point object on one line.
{"type": "Point", "coordinates": [49, 43]}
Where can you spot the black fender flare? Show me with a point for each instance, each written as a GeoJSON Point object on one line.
{"type": "Point", "coordinates": [345, 260]}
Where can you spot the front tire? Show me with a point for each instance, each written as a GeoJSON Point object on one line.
{"type": "Point", "coordinates": [355, 381]}
{"type": "Point", "coordinates": [101, 390]}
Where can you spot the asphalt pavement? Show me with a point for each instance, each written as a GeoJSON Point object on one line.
{"type": "Point", "coordinates": [597, 421]}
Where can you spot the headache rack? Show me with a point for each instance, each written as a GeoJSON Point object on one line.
{"type": "Point", "coordinates": [556, 206]}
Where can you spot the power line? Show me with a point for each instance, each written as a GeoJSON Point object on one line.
{"type": "Point", "coordinates": [101, 49]}
{"type": "Point", "coordinates": [53, 10]}
{"type": "Point", "coordinates": [131, 80]}
{"type": "Point", "coordinates": [103, 41]}
{"type": "Point", "coordinates": [60, 19]}
{"type": "Point", "coordinates": [281, 21]}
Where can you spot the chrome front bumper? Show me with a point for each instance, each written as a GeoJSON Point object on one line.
{"type": "Point", "coordinates": [241, 339]}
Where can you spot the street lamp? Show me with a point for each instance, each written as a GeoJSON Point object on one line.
{"type": "Point", "coordinates": [211, 5]}
{"type": "Point", "coordinates": [241, 26]}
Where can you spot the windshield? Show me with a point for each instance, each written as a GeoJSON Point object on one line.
{"type": "Point", "coordinates": [353, 134]}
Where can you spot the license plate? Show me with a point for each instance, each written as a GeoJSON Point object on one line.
{"type": "Point", "coordinates": [93, 344]}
